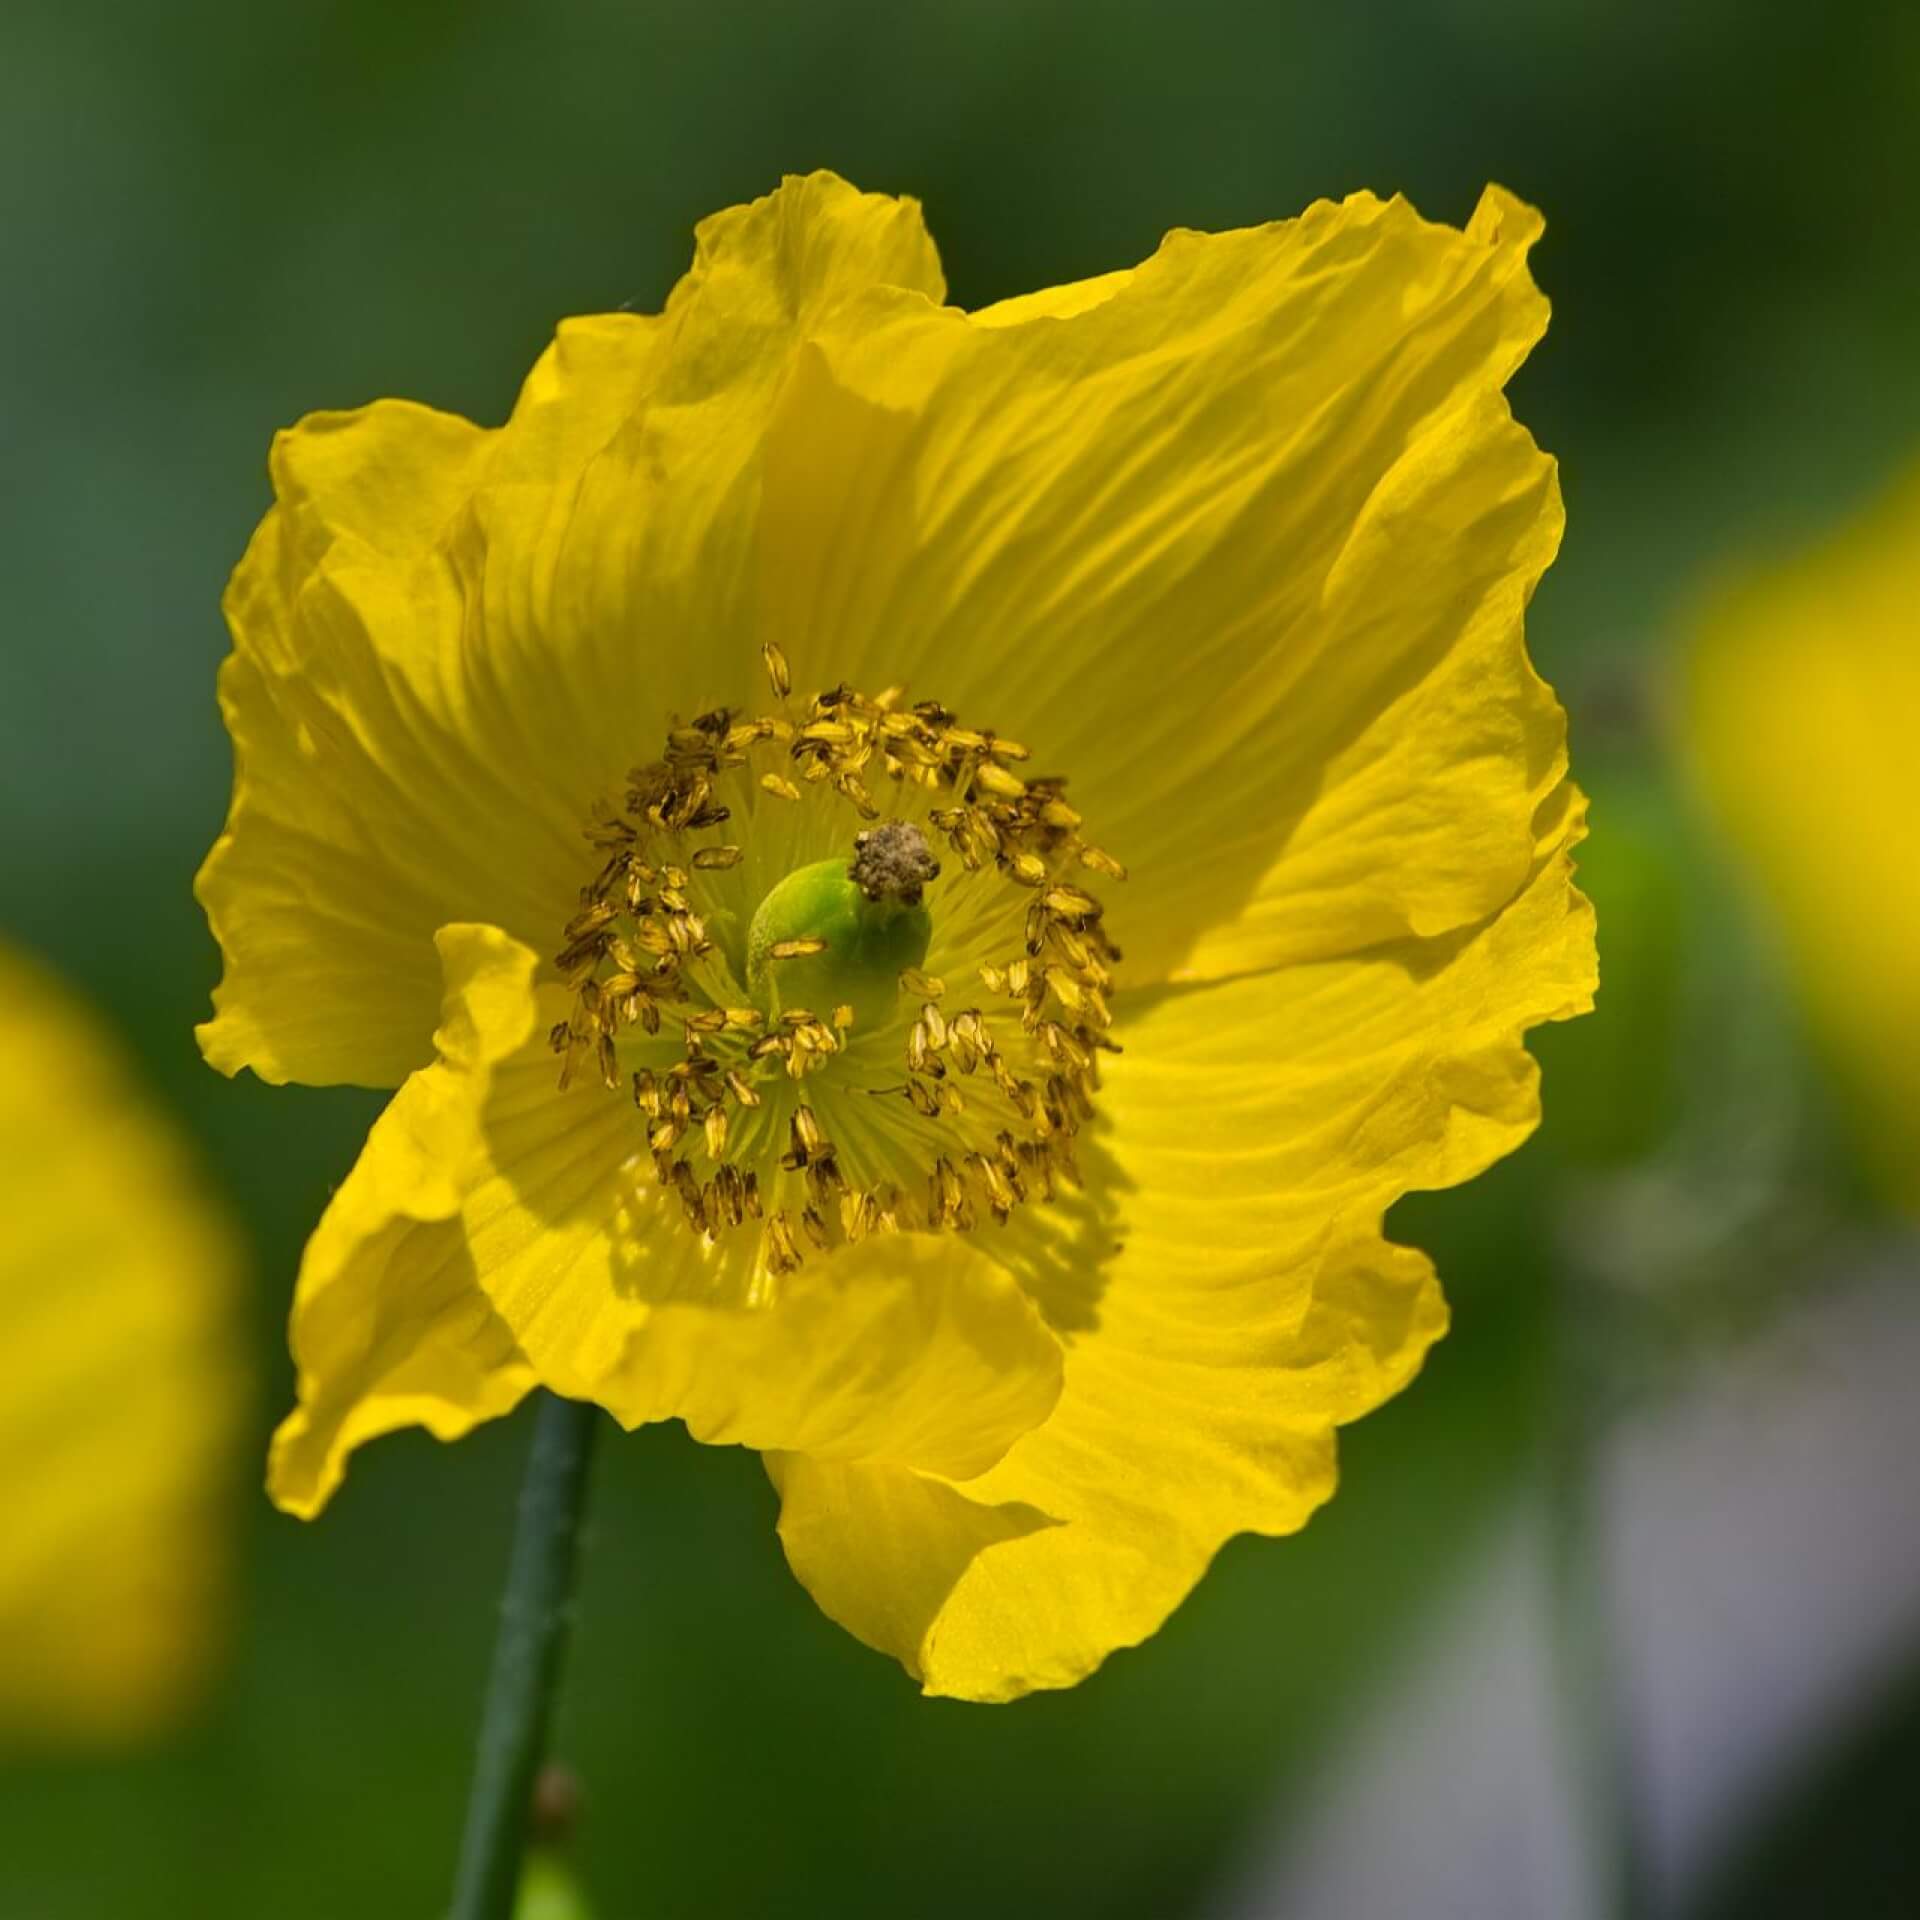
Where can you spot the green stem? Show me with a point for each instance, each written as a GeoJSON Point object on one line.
{"type": "Point", "coordinates": [535, 1615]}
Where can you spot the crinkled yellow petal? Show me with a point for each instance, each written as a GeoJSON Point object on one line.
{"type": "Point", "coordinates": [498, 1233]}
{"type": "Point", "coordinates": [120, 1387]}
{"type": "Point", "coordinates": [644, 583]}
{"type": "Point", "coordinates": [768, 272]}
{"type": "Point", "coordinates": [1240, 541]}
{"type": "Point", "coordinates": [390, 1327]}
{"type": "Point", "coordinates": [1260, 1127]}
{"type": "Point", "coordinates": [1804, 694]}
{"type": "Point", "coordinates": [380, 787]}
{"type": "Point", "coordinates": [915, 1348]}
{"type": "Point", "coordinates": [447, 642]}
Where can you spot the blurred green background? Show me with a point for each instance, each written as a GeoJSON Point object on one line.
{"type": "Point", "coordinates": [218, 216]}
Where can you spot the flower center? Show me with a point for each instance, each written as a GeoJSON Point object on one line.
{"type": "Point", "coordinates": [830, 1031]}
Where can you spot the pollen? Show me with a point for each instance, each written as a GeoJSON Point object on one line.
{"type": "Point", "coordinates": [842, 955]}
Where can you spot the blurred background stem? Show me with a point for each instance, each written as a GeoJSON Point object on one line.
{"type": "Point", "coordinates": [536, 1613]}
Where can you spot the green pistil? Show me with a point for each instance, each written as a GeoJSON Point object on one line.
{"type": "Point", "coordinates": [869, 944]}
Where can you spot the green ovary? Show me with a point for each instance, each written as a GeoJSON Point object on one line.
{"type": "Point", "coordinates": [869, 944]}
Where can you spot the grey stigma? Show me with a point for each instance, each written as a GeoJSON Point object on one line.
{"type": "Point", "coordinates": [892, 862]}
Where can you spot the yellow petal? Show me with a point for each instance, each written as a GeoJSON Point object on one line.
{"type": "Point", "coordinates": [906, 1348]}
{"type": "Point", "coordinates": [596, 374]}
{"type": "Point", "coordinates": [120, 1387]}
{"type": "Point", "coordinates": [1260, 1129]}
{"type": "Point", "coordinates": [380, 788]}
{"type": "Point", "coordinates": [644, 579]}
{"type": "Point", "coordinates": [390, 1327]}
{"type": "Point", "coordinates": [1804, 691]}
{"type": "Point", "coordinates": [498, 1233]}
{"type": "Point", "coordinates": [624, 583]}
{"type": "Point", "coordinates": [773, 269]}
{"type": "Point", "coordinates": [448, 642]}
{"type": "Point", "coordinates": [1057, 303]}
{"type": "Point", "coordinates": [1240, 541]}
{"type": "Point", "coordinates": [884, 1551]}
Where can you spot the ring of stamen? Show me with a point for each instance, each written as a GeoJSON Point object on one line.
{"type": "Point", "coordinates": [931, 1107]}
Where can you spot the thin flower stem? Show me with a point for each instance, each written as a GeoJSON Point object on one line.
{"type": "Point", "coordinates": [536, 1613]}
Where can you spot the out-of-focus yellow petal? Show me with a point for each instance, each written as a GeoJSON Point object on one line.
{"type": "Point", "coordinates": [120, 1387]}
{"type": "Point", "coordinates": [448, 642]}
{"type": "Point", "coordinates": [1803, 699]}
{"type": "Point", "coordinates": [1240, 541]}
{"type": "Point", "coordinates": [498, 1233]}
{"type": "Point", "coordinates": [1260, 1129]}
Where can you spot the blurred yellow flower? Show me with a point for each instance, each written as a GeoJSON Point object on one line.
{"type": "Point", "coordinates": [960, 863]}
{"type": "Point", "coordinates": [1803, 704]}
{"type": "Point", "coordinates": [119, 1388]}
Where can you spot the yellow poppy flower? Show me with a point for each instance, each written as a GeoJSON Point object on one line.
{"type": "Point", "coordinates": [708, 796]}
{"type": "Point", "coordinates": [1804, 693]}
{"type": "Point", "coordinates": [119, 1390]}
